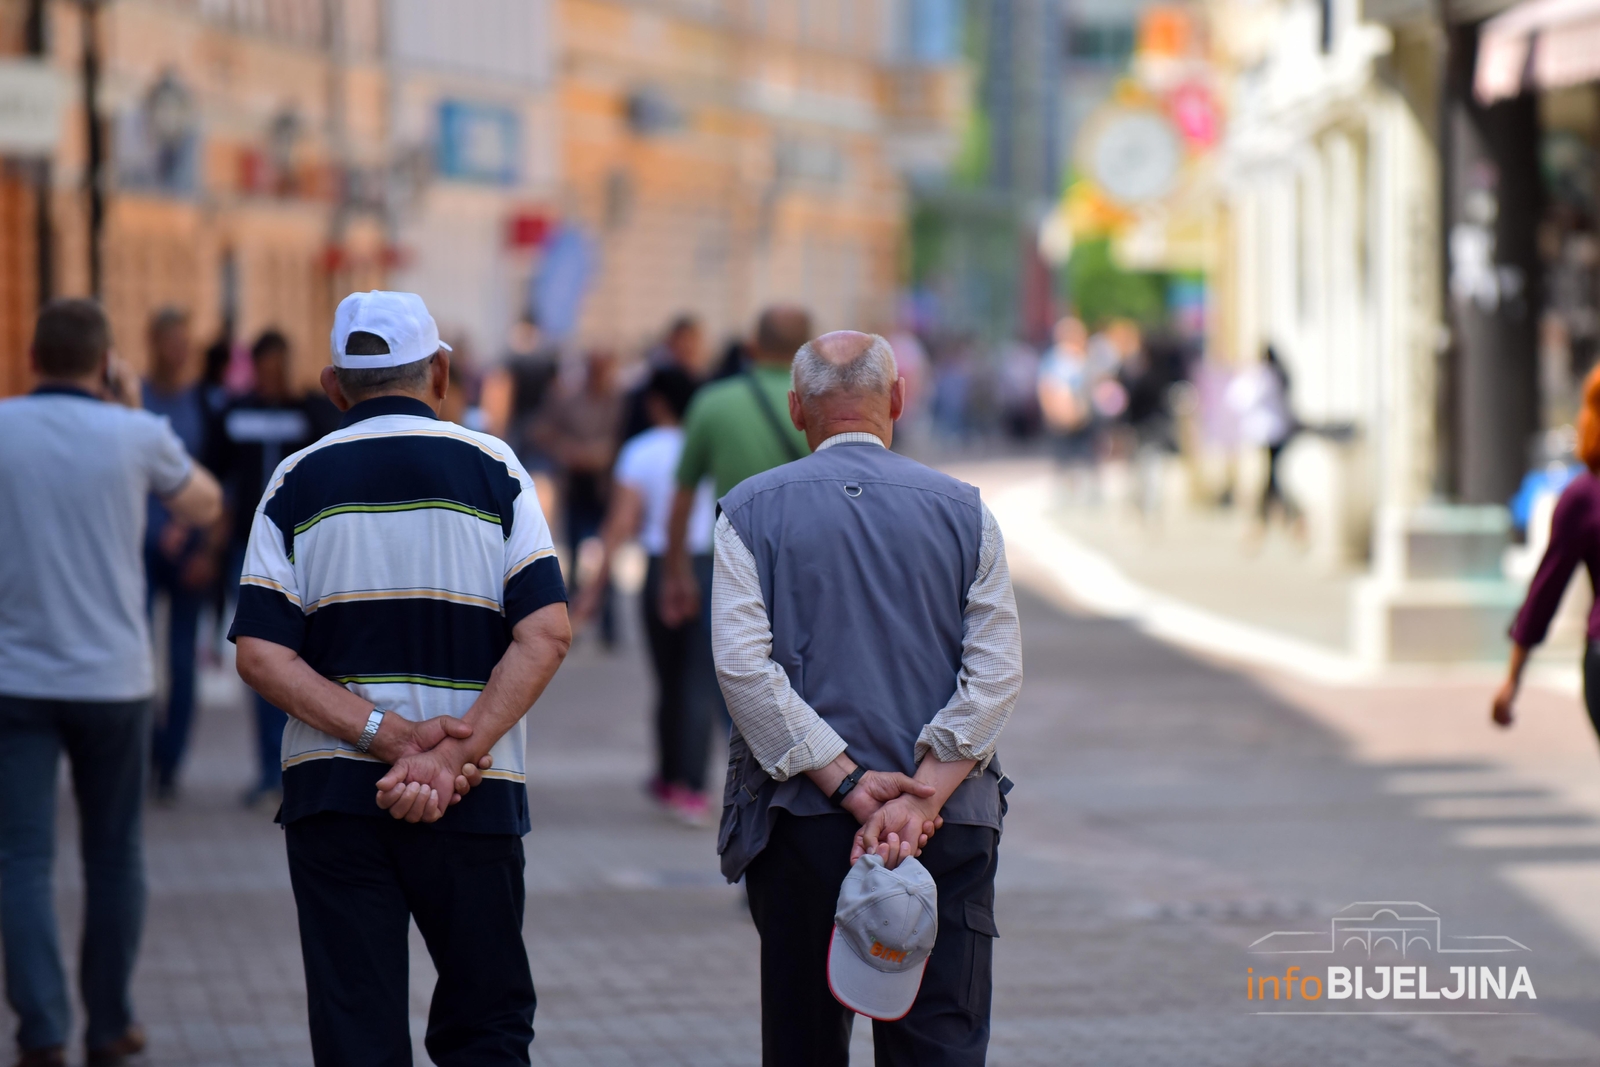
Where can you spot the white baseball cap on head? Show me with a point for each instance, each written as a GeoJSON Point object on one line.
{"type": "Point", "coordinates": [401, 319]}
{"type": "Point", "coordinates": [883, 931]}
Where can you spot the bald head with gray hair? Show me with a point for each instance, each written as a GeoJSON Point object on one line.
{"type": "Point", "coordinates": [845, 382]}
{"type": "Point", "coordinates": [843, 362]}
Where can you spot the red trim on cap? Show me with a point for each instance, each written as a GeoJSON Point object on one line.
{"type": "Point", "coordinates": [857, 1010]}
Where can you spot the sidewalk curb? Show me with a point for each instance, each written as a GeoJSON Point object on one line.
{"type": "Point", "coordinates": [1091, 581]}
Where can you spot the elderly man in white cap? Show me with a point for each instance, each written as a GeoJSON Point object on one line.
{"type": "Point", "coordinates": [865, 632]}
{"type": "Point", "coordinates": [402, 602]}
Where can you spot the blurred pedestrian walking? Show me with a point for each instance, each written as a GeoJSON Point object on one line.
{"type": "Point", "coordinates": [1574, 539]}
{"type": "Point", "coordinates": [254, 434]}
{"type": "Point", "coordinates": [683, 346]}
{"type": "Point", "coordinates": [1068, 411]}
{"type": "Point", "coordinates": [402, 600]}
{"type": "Point", "coordinates": [734, 428]}
{"type": "Point", "coordinates": [579, 428]}
{"type": "Point", "coordinates": [865, 630]}
{"type": "Point", "coordinates": [1259, 397]}
{"type": "Point", "coordinates": [76, 674]}
{"type": "Point", "coordinates": [687, 698]}
{"type": "Point", "coordinates": [182, 562]}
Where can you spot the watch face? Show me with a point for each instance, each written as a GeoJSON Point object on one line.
{"type": "Point", "coordinates": [1134, 154]}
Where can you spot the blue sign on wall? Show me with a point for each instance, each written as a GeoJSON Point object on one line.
{"type": "Point", "coordinates": [478, 142]}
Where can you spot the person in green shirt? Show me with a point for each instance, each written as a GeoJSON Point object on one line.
{"type": "Point", "coordinates": [735, 428]}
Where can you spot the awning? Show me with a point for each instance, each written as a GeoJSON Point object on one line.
{"type": "Point", "coordinates": [1539, 44]}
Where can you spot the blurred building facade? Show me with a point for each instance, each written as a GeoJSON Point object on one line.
{"type": "Point", "coordinates": [610, 162]}
{"type": "Point", "coordinates": [233, 167]}
{"type": "Point", "coordinates": [722, 155]}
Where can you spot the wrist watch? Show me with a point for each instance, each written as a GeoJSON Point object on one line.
{"type": "Point", "coordinates": [374, 720]}
{"type": "Point", "coordinates": [849, 783]}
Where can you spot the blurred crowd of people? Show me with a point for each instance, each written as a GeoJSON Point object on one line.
{"type": "Point", "coordinates": [238, 415]}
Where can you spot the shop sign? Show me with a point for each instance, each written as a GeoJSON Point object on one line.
{"type": "Point", "coordinates": [478, 142]}
{"type": "Point", "coordinates": [32, 95]}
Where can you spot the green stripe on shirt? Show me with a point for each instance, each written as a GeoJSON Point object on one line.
{"type": "Point", "coordinates": [407, 679]}
{"type": "Point", "coordinates": [404, 505]}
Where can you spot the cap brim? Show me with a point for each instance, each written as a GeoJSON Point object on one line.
{"type": "Point", "coordinates": [865, 990]}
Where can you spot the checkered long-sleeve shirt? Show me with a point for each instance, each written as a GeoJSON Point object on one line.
{"type": "Point", "coordinates": [788, 737]}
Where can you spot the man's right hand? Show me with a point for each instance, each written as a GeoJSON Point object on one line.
{"type": "Point", "coordinates": [876, 790]}
{"type": "Point", "coordinates": [399, 737]}
{"type": "Point", "coordinates": [680, 596]}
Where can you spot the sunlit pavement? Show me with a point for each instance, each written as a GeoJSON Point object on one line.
{"type": "Point", "coordinates": [1168, 812]}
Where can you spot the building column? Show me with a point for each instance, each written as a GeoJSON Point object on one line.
{"type": "Point", "coordinates": [1494, 200]}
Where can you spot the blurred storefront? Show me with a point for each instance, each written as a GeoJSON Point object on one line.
{"type": "Point", "coordinates": [720, 156]}
{"type": "Point", "coordinates": [1544, 57]}
{"type": "Point", "coordinates": [233, 166]}
{"type": "Point", "coordinates": [474, 188]}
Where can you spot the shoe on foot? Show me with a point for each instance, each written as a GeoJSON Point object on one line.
{"type": "Point", "coordinates": [54, 1056]}
{"type": "Point", "coordinates": [131, 1043]}
{"type": "Point", "coordinates": [688, 806]}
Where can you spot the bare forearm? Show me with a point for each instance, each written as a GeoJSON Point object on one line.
{"type": "Point", "coordinates": [678, 528]}
{"type": "Point", "coordinates": [828, 778]}
{"type": "Point", "coordinates": [538, 646]}
{"type": "Point", "coordinates": [944, 777]}
{"type": "Point", "coordinates": [289, 682]}
{"type": "Point", "coordinates": [1519, 660]}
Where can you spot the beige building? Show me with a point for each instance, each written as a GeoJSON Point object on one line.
{"type": "Point", "coordinates": [243, 150]}
{"type": "Point", "coordinates": [257, 159]}
{"type": "Point", "coordinates": [729, 153]}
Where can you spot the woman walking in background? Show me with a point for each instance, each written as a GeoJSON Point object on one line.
{"type": "Point", "coordinates": [688, 699]}
{"type": "Point", "coordinates": [1574, 538]}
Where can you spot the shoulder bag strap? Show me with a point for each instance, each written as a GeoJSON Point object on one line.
{"type": "Point", "coordinates": [784, 440]}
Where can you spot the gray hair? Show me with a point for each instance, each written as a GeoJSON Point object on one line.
{"type": "Point", "coordinates": [359, 383]}
{"type": "Point", "coordinates": [873, 370]}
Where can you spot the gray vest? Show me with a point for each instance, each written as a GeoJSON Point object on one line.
{"type": "Point", "coordinates": [865, 559]}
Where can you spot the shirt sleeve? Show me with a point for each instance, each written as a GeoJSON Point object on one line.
{"type": "Point", "coordinates": [969, 725]}
{"type": "Point", "coordinates": [695, 461]}
{"type": "Point", "coordinates": [1550, 581]}
{"type": "Point", "coordinates": [168, 462]}
{"type": "Point", "coordinates": [271, 604]}
{"type": "Point", "coordinates": [532, 572]}
{"type": "Point", "coordinates": [785, 734]}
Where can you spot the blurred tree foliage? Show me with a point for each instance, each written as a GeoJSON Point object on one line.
{"type": "Point", "coordinates": [1098, 289]}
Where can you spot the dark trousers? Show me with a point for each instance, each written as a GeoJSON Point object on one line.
{"type": "Point", "coordinates": [107, 747]}
{"type": "Point", "coordinates": [270, 719]}
{"type": "Point", "coordinates": [585, 509]}
{"type": "Point", "coordinates": [688, 697]}
{"type": "Point", "coordinates": [171, 735]}
{"type": "Point", "coordinates": [794, 887]}
{"type": "Point", "coordinates": [1591, 684]}
{"type": "Point", "coordinates": [358, 881]}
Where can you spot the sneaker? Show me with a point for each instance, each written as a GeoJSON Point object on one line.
{"type": "Point", "coordinates": [688, 806]}
{"type": "Point", "coordinates": [131, 1043]}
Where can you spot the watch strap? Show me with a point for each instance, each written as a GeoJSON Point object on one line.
{"type": "Point", "coordinates": [374, 720]}
{"type": "Point", "coordinates": [846, 785]}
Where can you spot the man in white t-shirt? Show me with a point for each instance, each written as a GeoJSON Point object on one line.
{"type": "Point", "coordinates": [75, 670]}
{"type": "Point", "coordinates": [643, 486]}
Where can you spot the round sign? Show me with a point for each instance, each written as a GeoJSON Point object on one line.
{"type": "Point", "coordinates": [1134, 155]}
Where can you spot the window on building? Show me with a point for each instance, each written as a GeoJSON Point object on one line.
{"type": "Point", "coordinates": [1107, 44]}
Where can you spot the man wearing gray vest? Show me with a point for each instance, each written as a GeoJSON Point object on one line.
{"type": "Point", "coordinates": [867, 643]}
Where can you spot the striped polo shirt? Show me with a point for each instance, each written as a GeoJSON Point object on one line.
{"type": "Point", "coordinates": [395, 555]}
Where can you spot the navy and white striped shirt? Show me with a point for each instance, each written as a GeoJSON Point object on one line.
{"type": "Point", "coordinates": [395, 555]}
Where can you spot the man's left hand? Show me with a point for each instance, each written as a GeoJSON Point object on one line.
{"type": "Point", "coordinates": [422, 786]}
{"type": "Point", "coordinates": [898, 830]}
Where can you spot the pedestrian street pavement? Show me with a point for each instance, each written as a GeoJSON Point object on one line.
{"type": "Point", "coordinates": [1168, 813]}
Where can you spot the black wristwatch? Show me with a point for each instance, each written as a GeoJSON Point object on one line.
{"type": "Point", "coordinates": [846, 785]}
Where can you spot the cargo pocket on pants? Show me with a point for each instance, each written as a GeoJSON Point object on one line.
{"type": "Point", "coordinates": [978, 987]}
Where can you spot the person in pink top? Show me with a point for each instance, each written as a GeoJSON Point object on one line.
{"type": "Point", "coordinates": [1574, 539]}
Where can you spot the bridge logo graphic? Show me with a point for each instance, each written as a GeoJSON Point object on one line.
{"type": "Point", "coordinates": [1404, 926]}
